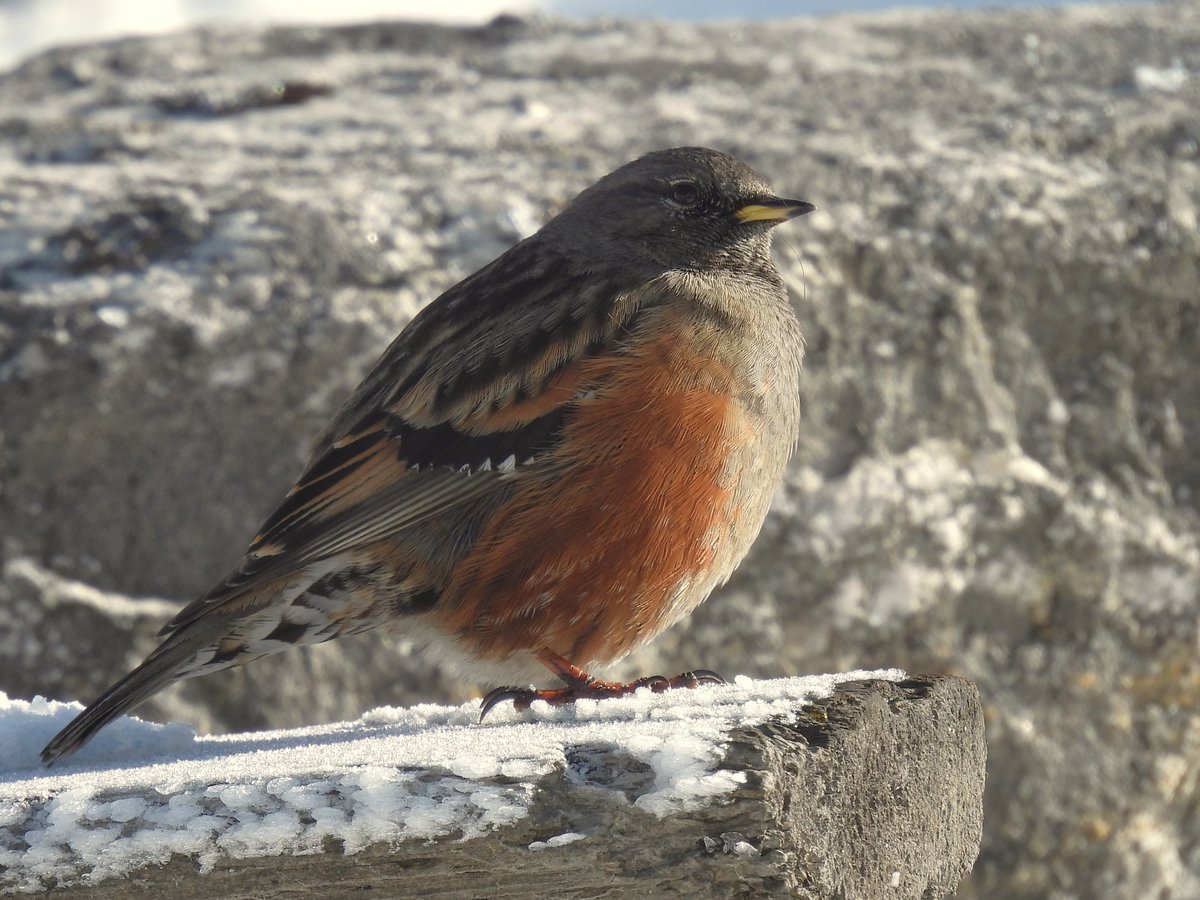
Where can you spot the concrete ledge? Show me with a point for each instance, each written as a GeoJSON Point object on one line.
{"type": "Point", "coordinates": [875, 791]}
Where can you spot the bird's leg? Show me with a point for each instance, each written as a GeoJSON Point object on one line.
{"type": "Point", "coordinates": [581, 685]}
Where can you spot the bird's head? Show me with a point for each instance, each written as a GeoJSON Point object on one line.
{"type": "Point", "coordinates": [685, 208]}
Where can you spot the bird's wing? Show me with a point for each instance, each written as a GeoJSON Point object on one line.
{"type": "Point", "coordinates": [469, 395]}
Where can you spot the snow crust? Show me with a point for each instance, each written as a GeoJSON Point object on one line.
{"type": "Point", "coordinates": [141, 793]}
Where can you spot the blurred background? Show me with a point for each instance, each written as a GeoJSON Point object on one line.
{"type": "Point", "coordinates": [30, 25]}
{"type": "Point", "coordinates": [208, 235]}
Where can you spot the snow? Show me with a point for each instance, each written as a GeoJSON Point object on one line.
{"type": "Point", "coordinates": [1155, 78]}
{"type": "Point", "coordinates": [559, 840]}
{"type": "Point", "coordinates": [141, 793]}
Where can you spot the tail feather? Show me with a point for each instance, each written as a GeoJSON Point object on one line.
{"type": "Point", "coordinates": [158, 671]}
{"type": "Point", "coordinates": [292, 613]}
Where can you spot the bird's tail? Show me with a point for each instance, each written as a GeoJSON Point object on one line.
{"type": "Point", "coordinates": [273, 617]}
{"type": "Point", "coordinates": [160, 669]}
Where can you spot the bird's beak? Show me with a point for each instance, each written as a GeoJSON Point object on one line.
{"type": "Point", "coordinates": [773, 209]}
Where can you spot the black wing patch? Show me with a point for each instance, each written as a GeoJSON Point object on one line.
{"type": "Point", "coordinates": [444, 467]}
{"type": "Point", "coordinates": [446, 447]}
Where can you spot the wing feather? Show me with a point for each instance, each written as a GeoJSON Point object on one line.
{"type": "Point", "coordinates": [465, 401]}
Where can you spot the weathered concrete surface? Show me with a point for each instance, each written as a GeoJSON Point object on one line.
{"type": "Point", "coordinates": [875, 794]}
{"type": "Point", "coordinates": [208, 237]}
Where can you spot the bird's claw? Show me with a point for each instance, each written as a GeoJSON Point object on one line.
{"type": "Point", "coordinates": [699, 677]}
{"type": "Point", "coordinates": [520, 697]}
{"type": "Point", "coordinates": [594, 690]}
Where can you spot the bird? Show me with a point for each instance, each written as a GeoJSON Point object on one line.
{"type": "Point", "coordinates": [558, 458]}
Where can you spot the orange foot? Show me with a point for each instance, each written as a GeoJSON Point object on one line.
{"type": "Point", "coordinates": [581, 685]}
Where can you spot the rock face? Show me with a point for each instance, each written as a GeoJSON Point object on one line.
{"type": "Point", "coordinates": [875, 793]}
{"type": "Point", "coordinates": [208, 237]}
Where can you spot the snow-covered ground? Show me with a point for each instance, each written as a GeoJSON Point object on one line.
{"type": "Point", "coordinates": [141, 792]}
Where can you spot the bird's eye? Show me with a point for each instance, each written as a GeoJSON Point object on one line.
{"type": "Point", "coordinates": [685, 193]}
